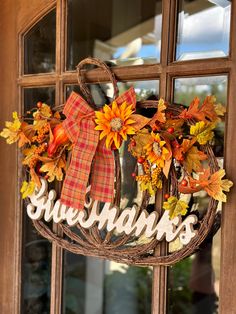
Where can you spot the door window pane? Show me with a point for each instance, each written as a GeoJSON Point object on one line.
{"type": "Point", "coordinates": [36, 260]}
{"type": "Point", "coordinates": [43, 94]}
{"type": "Point", "coordinates": [203, 29]}
{"type": "Point", "coordinates": [103, 287]}
{"type": "Point", "coordinates": [40, 46]}
{"type": "Point", "coordinates": [193, 284]}
{"type": "Point", "coordinates": [129, 32]}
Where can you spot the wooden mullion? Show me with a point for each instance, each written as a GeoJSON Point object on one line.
{"type": "Point", "coordinates": [193, 67]}
{"type": "Point", "coordinates": [57, 252]}
{"type": "Point", "coordinates": [37, 80]}
{"type": "Point", "coordinates": [159, 288]}
{"type": "Point", "coordinates": [228, 230]}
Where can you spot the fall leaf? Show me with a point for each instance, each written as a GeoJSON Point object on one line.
{"type": "Point", "coordinates": [30, 154]}
{"type": "Point", "coordinates": [178, 152]}
{"type": "Point", "coordinates": [174, 123]}
{"type": "Point", "coordinates": [35, 177]}
{"type": "Point", "coordinates": [141, 139]}
{"type": "Point", "coordinates": [204, 112]}
{"type": "Point", "coordinates": [39, 124]}
{"type": "Point", "coordinates": [160, 114]}
{"type": "Point", "coordinates": [12, 130]}
{"type": "Point", "coordinates": [219, 109]}
{"type": "Point", "coordinates": [175, 207]}
{"type": "Point", "coordinates": [202, 131]}
{"type": "Point", "coordinates": [28, 130]}
{"type": "Point", "coordinates": [212, 184]}
{"type": "Point", "coordinates": [45, 111]}
{"type": "Point", "coordinates": [54, 169]}
{"type": "Point", "coordinates": [27, 189]}
{"type": "Point", "coordinates": [216, 186]}
{"type": "Point", "coordinates": [192, 159]}
{"type": "Point", "coordinates": [148, 186]}
{"type": "Point", "coordinates": [140, 121]}
{"type": "Point", "coordinates": [57, 115]}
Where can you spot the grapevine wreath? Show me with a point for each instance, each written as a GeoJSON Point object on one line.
{"type": "Point", "coordinates": [174, 155]}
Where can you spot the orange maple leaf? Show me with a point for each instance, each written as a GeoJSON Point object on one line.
{"type": "Point", "coordinates": [211, 183]}
{"type": "Point", "coordinates": [204, 112]}
{"type": "Point", "coordinates": [160, 114]}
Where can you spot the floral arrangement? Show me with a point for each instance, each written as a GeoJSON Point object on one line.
{"type": "Point", "coordinates": [44, 144]}
{"type": "Point", "coordinates": [167, 139]}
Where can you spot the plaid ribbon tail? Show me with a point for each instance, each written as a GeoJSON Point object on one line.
{"type": "Point", "coordinates": [102, 176]}
{"type": "Point", "coordinates": [80, 128]}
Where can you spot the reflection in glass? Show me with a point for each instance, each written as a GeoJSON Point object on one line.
{"type": "Point", "coordinates": [127, 31]}
{"type": "Point", "coordinates": [43, 94]}
{"type": "Point", "coordinates": [203, 29]}
{"type": "Point", "coordinates": [36, 261]}
{"type": "Point", "coordinates": [103, 287]}
{"type": "Point", "coordinates": [40, 46]}
{"type": "Point", "coordinates": [36, 271]}
{"type": "Point", "coordinates": [193, 284]}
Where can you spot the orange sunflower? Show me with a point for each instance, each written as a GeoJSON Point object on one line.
{"type": "Point", "coordinates": [115, 123]}
{"type": "Point", "coordinates": [156, 151]}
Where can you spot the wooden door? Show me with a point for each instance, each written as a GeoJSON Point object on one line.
{"type": "Point", "coordinates": [21, 77]}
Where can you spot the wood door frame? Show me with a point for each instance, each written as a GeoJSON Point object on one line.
{"type": "Point", "coordinates": [20, 18]}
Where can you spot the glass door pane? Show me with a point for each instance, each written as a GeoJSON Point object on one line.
{"type": "Point", "coordinates": [36, 259]}
{"type": "Point", "coordinates": [203, 29]}
{"type": "Point", "coordinates": [127, 32]}
{"type": "Point", "coordinates": [40, 46]}
{"type": "Point", "coordinates": [96, 286]}
{"type": "Point", "coordinates": [193, 284]}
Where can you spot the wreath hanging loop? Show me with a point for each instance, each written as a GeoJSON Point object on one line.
{"type": "Point", "coordinates": [174, 145]}
{"type": "Point", "coordinates": [84, 88]}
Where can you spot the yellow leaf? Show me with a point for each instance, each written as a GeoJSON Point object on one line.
{"type": "Point", "coordinates": [11, 136]}
{"type": "Point", "coordinates": [27, 189]}
{"type": "Point", "coordinates": [219, 109]}
{"type": "Point", "coordinates": [46, 111]}
{"type": "Point", "coordinates": [147, 186]}
{"type": "Point", "coordinates": [202, 131]}
{"type": "Point", "coordinates": [175, 207]}
{"type": "Point", "coordinates": [29, 155]}
{"type": "Point", "coordinates": [216, 186]}
{"type": "Point", "coordinates": [12, 130]}
{"type": "Point", "coordinates": [54, 169]}
{"type": "Point", "coordinates": [193, 159]}
{"type": "Point", "coordinates": [39, 124]}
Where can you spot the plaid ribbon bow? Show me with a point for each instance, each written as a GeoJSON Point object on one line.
{"type": "Point", "coordinates": [89, 155]}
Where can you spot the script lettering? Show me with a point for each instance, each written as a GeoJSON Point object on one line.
{"type": "Point", "coordinates": [129, 221]}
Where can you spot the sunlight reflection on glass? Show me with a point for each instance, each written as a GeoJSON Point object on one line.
{"type": "Point", "coordinates": [203, 29]}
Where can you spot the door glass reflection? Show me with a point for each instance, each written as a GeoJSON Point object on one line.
{"type": "Point", "coordinates": [36, 260]}
{"type": "Point", "coordinates": [203, 29]}
{"type": "Point", "coordinates": [96, 286]}
{"type": "Point", "coordinates": [128, 32]}
{"type": "Point", "coordinates": [193, 284]}
{"type": "Point", "coordinates": [40, 46]}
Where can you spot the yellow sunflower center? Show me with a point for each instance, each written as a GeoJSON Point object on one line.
{"type": "Point", "coordinates": [157, 149]}
{"type": "Point", "coordinates": [116, 124]}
